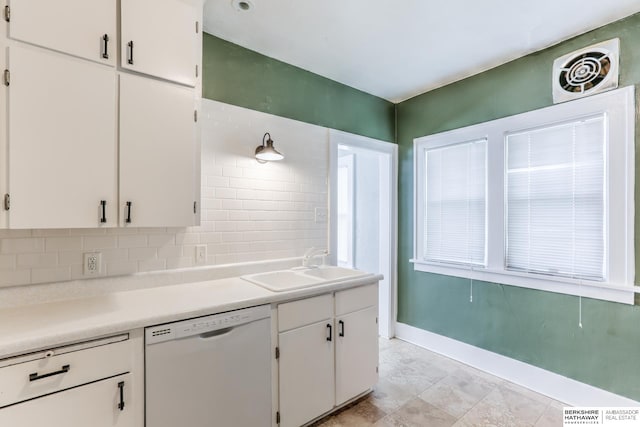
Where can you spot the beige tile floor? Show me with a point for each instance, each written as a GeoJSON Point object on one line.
{"type": "Point", "coordinates": [419, 388]}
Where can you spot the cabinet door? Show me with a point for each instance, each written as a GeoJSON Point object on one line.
{"type": "Point", "coordinates": [62, 141]}
{"type": "Point", "coordinates": [77, 27]}
{"type": "Point", "coordinates": [159, 38]}
{"type": "Point", "coordinates": [356, 353]}
{"type": "Point", "coordinates": [306, 373]}
{"type": "Point", "coordinates": [157, 153]}
{"type": "Point", "coordinates": [94, 405]}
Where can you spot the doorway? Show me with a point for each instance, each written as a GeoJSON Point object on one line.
{"type": "Point", "coordinates": [363, 208]}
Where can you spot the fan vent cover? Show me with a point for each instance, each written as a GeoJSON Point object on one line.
{"type": "Point", "coordinates": [587, 71]}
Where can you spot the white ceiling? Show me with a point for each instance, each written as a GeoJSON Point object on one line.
{"type": "Point", "coordinates": [396, 49]}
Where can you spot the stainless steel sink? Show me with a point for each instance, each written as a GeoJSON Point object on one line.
{"type": "Point", "coordinates": [285, 280]}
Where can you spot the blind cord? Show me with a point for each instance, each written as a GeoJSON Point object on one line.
{"type": "Point", "coordinates": [580, 307]}
{"type": "Point", "coordinates": [580, 312]}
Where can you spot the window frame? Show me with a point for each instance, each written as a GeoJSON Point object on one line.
{"type": "Point", "coordinates": [619, 110]}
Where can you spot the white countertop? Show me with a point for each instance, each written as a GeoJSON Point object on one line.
{"type": "Point", "coordinates": [39, 326]}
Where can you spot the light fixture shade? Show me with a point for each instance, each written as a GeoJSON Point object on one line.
{"type": "Point", "coordinates": [266, 153]}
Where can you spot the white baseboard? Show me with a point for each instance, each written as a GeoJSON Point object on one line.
{"type": "Point", "coordinates": [539, 380]}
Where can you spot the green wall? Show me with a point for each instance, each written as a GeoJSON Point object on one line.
{"type": "Point", "coordinates": [238, 76]}
{"type": "Point", "coordinates": [539, 328]}
{"type": "Point", "coordinates": [536, 327]}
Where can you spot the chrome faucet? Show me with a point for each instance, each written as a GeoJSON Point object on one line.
{"type": "Point", "coordinates": [310, 255]}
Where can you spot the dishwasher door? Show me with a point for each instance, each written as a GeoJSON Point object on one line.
{"type": "Point", "coordinates": [210, 371]}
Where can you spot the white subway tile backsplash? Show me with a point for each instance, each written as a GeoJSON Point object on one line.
{"type": "Point", "coordinates": [70, 258]}
{"type": "Point", "coordinates": [217, 181]}
{"type": "Point", "coordinates": [142, 254]}
{"type": "Point", "coordinates": [132, 241]}
{"type": "Point", "coordinates": [57, 244]}
{"type": "Point", "coordinates": [37, 260]}
{"type": "Point", "coordinates": [121, 268]}
{"type": "Point", "coordinates": [50, 232]}
{"type": "Point", "coordinates": [180, 262]}
{"type": "Point", "coordinates": [99, 242]}
{"type": "Point", "coordinates": [231, 171]}
{"type": "Point", "coordinates": [114, 255]}
{"type": "Point", "coordinates": [231, 204]}
{"type": "Point", "coordinates": [249, 211]}
{"type": "Point", "coordinates": [15, 277]}
{"type": "Point", "coordinates": [152, 265]}
{"type": "Point", "coordinates": [53, 274]}
{"type": "Point", "coordinates": [225, 193]}
{"type": "Point", "coordinates": [156, 240]}
{"type": "Point", "coordinates": [23, 245]}
{"type": "Point", "coordinates": [7, 262]}
{"type": "Point", "coordinates": [189, 238]}
{"type": "Point", "coordinates": [15, 233]}
{"type": "Point", "coordinates": [169, 251]}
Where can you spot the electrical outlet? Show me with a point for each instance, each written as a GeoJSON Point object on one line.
{"type": "Point", "coordinates": [321, 215]}
{"type": "Point", "coordinates": [92, 263]}
{"type": "Point", "coordinates": [201, 254]}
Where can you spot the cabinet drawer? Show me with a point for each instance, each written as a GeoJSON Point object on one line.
{"type": "Point", "coordinates": [304, 312]}
{"type": "Point", "coordinates": [32, 375]}
{"type": "Point", "coordinates": [97, 404]}
{"type": "Point", "coordinates": [356, 299]}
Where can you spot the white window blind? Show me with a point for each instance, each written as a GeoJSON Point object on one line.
{"type": "Point", "coordinates": [555, 201]}
{"type": "Point", "coordinates": [455, 203]}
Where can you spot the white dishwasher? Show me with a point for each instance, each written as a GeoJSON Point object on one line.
{"type": "Point", "coordinates": [210, 371]}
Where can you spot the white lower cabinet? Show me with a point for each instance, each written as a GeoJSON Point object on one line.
{"type": "Point", "coordinates": [328, 352]}
{"type": "Point", "coordinates": [94, 383]}
{"type": "Point", "coordinates": [306, 373]}
{"type": "Point", "coordinates": [356, 353]}
{"type": "Point", "coordinates": [95, 405]}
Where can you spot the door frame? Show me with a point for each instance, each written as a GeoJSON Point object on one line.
{"type": "Point", "coordinates": [337, 138]}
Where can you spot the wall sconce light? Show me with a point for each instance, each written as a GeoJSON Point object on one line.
{"type": "Point", "coordinates": [266, 153]}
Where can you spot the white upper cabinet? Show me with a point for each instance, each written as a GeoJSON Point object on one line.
{"type": "Point", "coordinates": [78, 27]}
{"type": "Point", "coordinates": [62, 141]}
{"type": "Point", "coordinates": [160, 38]}
{"type": "Point", "coordinates": [158, 153]}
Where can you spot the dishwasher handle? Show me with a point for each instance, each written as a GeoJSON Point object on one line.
{"type": "Point", "coordinates": [217, 333]}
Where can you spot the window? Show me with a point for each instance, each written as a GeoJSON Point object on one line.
{"type": "Point", "coordinates": [542, 199]}
{"type": "Point", "coordinates": [555, 197]}
{"type": "Point", "coordinates": [345, 210]}
{"type": "Point", "coordinates": [455, 203]}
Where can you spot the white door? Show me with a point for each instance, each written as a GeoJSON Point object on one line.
{"type": "Point", "coordinates": [62, 133]}
{"type": "Point", "coordinates": [77, 27]}
{"type": "Point", "coordinates": [356, 353]}
{"type": "Point", "coordinates": [157, 153]}
{"type": "Point", "coordinates": [159, 38]}
{"type": "Point", "coordinates": [370, 243]}
{"type": "Point", "coordinates": [306, 373]}
{"type": "Point", "coordinates": [95, 405]}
